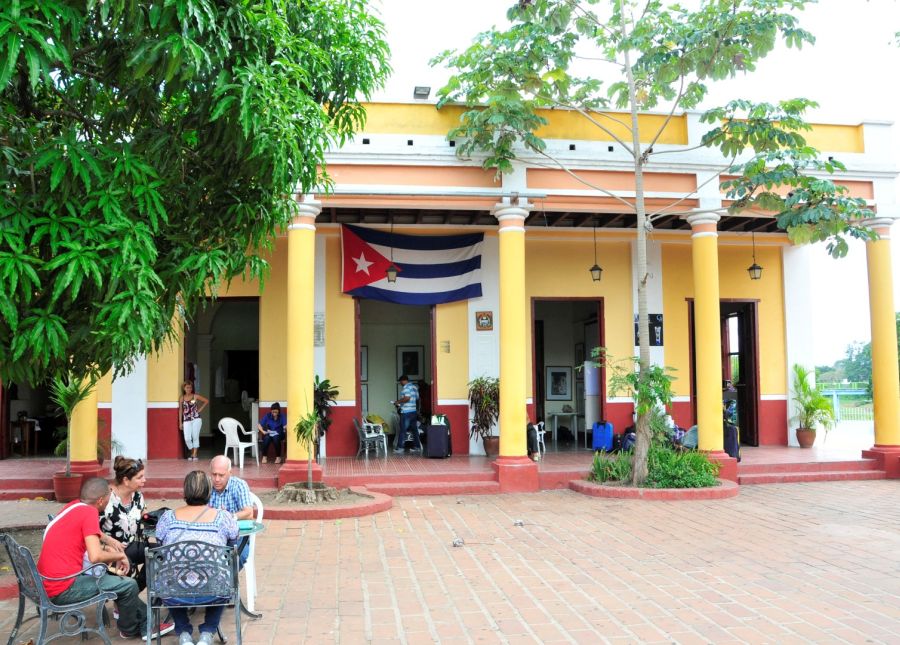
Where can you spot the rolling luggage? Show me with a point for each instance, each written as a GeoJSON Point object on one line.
{"type": "Point", "coordinates": [732, 444]}
{"type": "Point", "coordinates": [437, 441]}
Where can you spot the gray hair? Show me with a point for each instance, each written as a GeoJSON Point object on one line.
{"type": "Point", "coordinates": [93, 489]}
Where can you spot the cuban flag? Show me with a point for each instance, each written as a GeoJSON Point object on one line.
{"type": "Point", "coordinates": [431, 269]}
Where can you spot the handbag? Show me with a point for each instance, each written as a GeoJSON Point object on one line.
{"type": "Point", "coordinates": [151, 518]}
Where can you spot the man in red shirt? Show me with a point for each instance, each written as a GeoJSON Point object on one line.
{"type": "Point", "coordinates": [75, 531]}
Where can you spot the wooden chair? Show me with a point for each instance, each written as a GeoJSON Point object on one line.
{"type": "Point", "coordinates": [71, 617]}
{"type": "Point", "coordinates": [192, 574]}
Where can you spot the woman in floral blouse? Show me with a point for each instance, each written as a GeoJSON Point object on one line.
{"type": "Point", "coordinates": [122, 516]}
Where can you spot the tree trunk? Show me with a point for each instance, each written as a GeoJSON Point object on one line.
{"type": "Point", "coordinates": [642, 442]}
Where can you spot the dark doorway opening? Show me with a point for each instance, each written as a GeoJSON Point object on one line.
{"type": "Point", "coordinates": [565, 333]}
{"type": "Point", "coordinates": [740, 364]}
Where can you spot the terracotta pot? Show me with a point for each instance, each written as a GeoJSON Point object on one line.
{"type": "Point", "coordinates": [806, 437]}
{"type": "Point", "coordinates": [492, 446]}
{"type": "Point", "coordinates": [66, 488]}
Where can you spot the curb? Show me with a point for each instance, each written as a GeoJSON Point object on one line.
{"type": "Point", "coordinates": [724, 490]}
{"type": "Point", "coordinates": [378, 502]}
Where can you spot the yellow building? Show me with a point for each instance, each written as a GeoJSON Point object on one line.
{"type": "Point", "coordinates": [540, 312]}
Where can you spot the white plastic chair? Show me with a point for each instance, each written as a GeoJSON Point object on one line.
{"type": "Point", "coordinates": [375, 429]}
{"type": "Point", "coordinates": [232, 429]}
{"type": "Point", "coordinates": [250, 567]}
{"type": "Point", "coordinates": [539, 428]}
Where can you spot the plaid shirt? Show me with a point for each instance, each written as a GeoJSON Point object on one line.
{"type": "Point", "coordinates": [235, 496]}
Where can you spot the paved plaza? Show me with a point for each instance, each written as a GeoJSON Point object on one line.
{"type": "Point", "coordinates": [816, 562]}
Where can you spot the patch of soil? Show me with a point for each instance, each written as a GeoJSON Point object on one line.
{"type": "Point", "coordinates": [32, 538]}
{"type": "Point", "coordinates": [326, 496]}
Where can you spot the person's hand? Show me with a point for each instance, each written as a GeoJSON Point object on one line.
{"type": "Point", "coordinates": [122, 565]}
{"type": "Point", "coordinates": [115, 546]}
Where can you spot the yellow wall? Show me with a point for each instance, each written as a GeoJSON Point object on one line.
{"type": "Point", "coordinates": [340, 322]}
{"type": "Point", "coordinates": [556, 264]}
{"type": "Point", "coordinates": [104, 388]}
{"type": "Point", "coordinates": [165, 371]}
{"type": "Point", "coordinates": [272, 326]}
{"type": "Point", "coordinates": [734, 283]}
{"type": "Point", "coordinates": [401, 118]}
{"type": "Point", "coordinates": [451, 325]}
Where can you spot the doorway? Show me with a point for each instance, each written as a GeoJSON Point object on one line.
{"type": "Point", "coordinates": [393, 340]}
{"type": "Point", "coordinates": [740, 364]}
{"type": "Point", "coordinates": [221, 356]}
{"type": "Point", "coordinates": [567, 394]}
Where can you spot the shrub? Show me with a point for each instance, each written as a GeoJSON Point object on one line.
{"type": "Point", "coordinates": [611, 467]}
{"type": "Point", "coordinates": [669, 468]}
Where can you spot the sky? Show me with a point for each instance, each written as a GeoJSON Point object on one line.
{"type": "Point", "coordinates": [851, 72]}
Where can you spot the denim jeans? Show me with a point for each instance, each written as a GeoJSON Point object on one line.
{"type": "Point", "coordinates": [408, 424]}
{"type": "Point", "coordinates": [132, 610]}
{"type": "Point", "coordinates": [211, 618]}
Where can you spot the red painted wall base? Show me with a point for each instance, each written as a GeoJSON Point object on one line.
{"type": "Point", "coordinates": [516, 474]}
{"type": "Point", "coordinates": [88, 468]}
{"type": "Point", "coordinates": [727, 465]}
{"type": "Point", "coordinates": [296, 471]}
{"type": "Point", "coordinates": [164, 439]}
{"type": "Point", "coordinates": [888, 458]}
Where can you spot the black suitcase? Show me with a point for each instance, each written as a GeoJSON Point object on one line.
{"type": "Point", "coordinates": [732, 444]}
{"type": "Point", "coordinates": [437, 442]}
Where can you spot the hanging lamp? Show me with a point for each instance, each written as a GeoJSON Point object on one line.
{"type": "Point", "coordinates": [596, 271]}
{"type": "Point", "coordinates": [754, 269]}
{"type": "Point", "coordinates": [392, 270]}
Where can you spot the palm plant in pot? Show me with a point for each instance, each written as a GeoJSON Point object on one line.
{"type": "Point", "coordinates": [484, 401]}
{"type": "Point", "coordinates": [67, 392]}
{"type": "Point", "coordinates": [813, 408]}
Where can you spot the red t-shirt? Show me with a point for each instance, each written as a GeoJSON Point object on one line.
{"type": "Point", "coordinates": [62, 552]}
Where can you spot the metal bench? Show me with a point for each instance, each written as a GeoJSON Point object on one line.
{"type": "Point", "coordinates": [72, 620]}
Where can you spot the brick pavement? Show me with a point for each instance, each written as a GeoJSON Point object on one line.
{"type": "Point", "coordinates": [815, 562]}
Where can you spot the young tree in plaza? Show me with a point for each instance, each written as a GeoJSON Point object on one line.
{"type": "Point", "coordinates": [148, 150]}
{"type": "Point", "coordinates": [611, 60]}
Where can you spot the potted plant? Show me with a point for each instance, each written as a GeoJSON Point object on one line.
{"type": "Point", "coordinates": [484, 401]}
{"type": "Point", "coordinates": [306, 431]}
{"type": "Point", "coordinates": [324, 396]}
{"type": "Point", "coordinates": [67, 392]}
{"type": "Point", "coordinates": [813, 408]}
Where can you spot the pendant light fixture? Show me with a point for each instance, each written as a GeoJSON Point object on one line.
{"type": "Point", "coordinates": [596, 271]}
{"type": "Point", "coordinates": [754, 269]}
{"type": "Point", "coordinates": [392, 270]}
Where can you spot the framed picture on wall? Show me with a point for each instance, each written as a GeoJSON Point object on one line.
{"type": "Point", "coordinates": [559, 383]}
{"type": "Point", "coordinates": [364, 397]}
{"type": "Point", "coordinates": [364, 363]}
{"type": "Point", "coordinates": [411, 361]}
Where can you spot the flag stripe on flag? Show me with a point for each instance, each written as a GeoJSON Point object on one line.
{"type": "Point", "coordinates": [407, 298]}
{"type": "Point", "coordinates": [428, 271]}
{"type": "Point", "coordinates": [416, 242]}
{"type": "Point", "coordinates": [434, 285]}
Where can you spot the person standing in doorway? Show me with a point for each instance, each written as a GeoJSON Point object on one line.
{"type": "Point", "coordinates": [192, 404]}
{"type": "Point", "coordinates": [409, 405]}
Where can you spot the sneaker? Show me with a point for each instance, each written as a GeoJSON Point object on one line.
{"type": "Point", "coordinates": [185, 639]}
{"type": "Point", "coordinates": [398, 451]}
{"type": "Point", "coordinates": [164, 628]}
{"type": "Point", "coordinates": [264, 460]}
{"type": "Point", "coordinates": [277, 460]}
{"type": "Point", "coordinates": [206, 638]}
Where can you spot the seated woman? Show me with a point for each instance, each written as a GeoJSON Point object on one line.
{"type": "Point", "coordinates": [121, 517]}
{"type": "Point", "coordinates": [197, 521]}
{"type": "Point", "coordinates": [272, 427]}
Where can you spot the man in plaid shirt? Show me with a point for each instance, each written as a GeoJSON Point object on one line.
{"type": "Point", "coordinates": [229, 493]}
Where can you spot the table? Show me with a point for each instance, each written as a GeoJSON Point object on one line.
{"type": "Point", "coordinates": [244, 533]}
{"type": "Point", "coordinates": [574, 426]}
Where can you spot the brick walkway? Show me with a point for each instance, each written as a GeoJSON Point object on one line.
{"type": "Point", "coordinates": [814, 562]}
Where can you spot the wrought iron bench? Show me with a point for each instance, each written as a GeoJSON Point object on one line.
{"type": "Point", "coordinates": [72, 620]}
{"type": "Point", "coordinates": [192, 574]}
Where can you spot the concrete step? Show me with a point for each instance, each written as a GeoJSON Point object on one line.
{"type": "Point", "coordinates": [816, 476]}
{"type": "Point", "coordinates": [409, 489]}
{"type": "Point", "coordinates": [812, 466]}
{"type": "Point", "coordinates": [8, 494]}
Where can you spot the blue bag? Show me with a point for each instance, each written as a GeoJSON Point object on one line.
{"type": "Point", "coordinates": [603, 436]}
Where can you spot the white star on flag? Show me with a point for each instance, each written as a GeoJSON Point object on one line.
{"type": "Point", "coordinates": [362, 264]}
